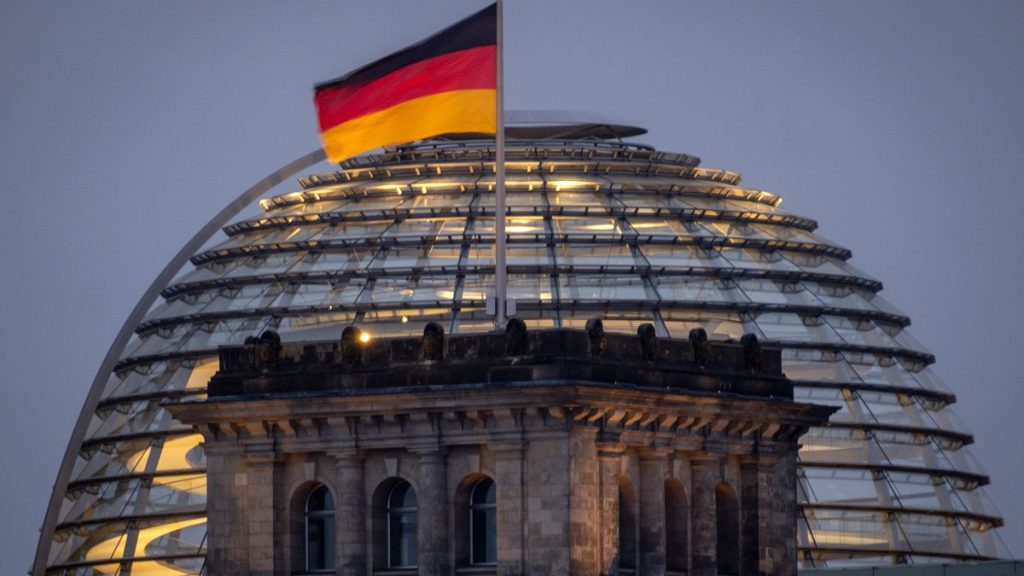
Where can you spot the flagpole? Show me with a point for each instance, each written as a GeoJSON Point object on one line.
{"type": "Point", "coordinates": [500, 290]}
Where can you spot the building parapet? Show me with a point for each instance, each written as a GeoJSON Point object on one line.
{"type": "Point", "coordinates": [265, 366]}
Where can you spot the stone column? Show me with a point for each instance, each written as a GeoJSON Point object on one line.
{"type": "Point", "coordinates": [584, 491]}
{"type": "Point", "coordinates": [784, 499]}
{"type": "Point", "coordinates": [508, 467]}
{"type": "Point", "coordinates": [432, 500]}
{"type": "Point", "coordinates": [227, 538]}
{"type": "Point", "coordinates": [707, 474]}
{"type": "Point", "coordinates": [350, 514]}
{"type": "Point", "coordinates": [609, 455]}
{"type": "Point", "coordinates": [266, 556]}
{"type": "Point", "coordinates": [653, 471]}
{"type": "Point", "coordinates": [768, 556]}
{"type": "Point", "coordinates": [548, 493]}
{"type": "Point", "coordinates": [755, 527]}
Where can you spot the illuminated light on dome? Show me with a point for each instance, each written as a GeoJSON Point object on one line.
{"type": "Point", "coordinates": [596, 226]}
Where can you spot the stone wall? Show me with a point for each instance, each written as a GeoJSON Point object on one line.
{"type": "Point", "coordinates": [559, 451]}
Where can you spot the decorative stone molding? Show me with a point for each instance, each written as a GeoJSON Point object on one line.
{"type": "Point", "coordinates": [565, 421]}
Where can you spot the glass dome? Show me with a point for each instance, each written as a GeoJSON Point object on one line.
{"type": "Point", "coordinates": [595, 228]}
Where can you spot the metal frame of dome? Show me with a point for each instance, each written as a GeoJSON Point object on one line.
{"type": "Point", "coordinates": [397, 239]}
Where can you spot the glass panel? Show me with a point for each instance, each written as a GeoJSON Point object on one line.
{"type": "Point", "coordinates": [691, 289]}
{"type": "Point", "coordinates": [354, 230]}
{"type": "Point", "coordinates": [600, 226]}
{"type": "Point", "coordinates": [756, 259]}
{"type": "Point", "coordinates": [594, 255]}
{"type": "Point", "coordinates": [573, 198]}
{"type": "Point", "coordinates": [620, 322]}
{"type": "Point", "coordinates": [417, 257]}
{"type": "Point", "coordinates": [718, 325]}
{"type": "Point", "coordinates": [456, 201]}
{"type": "Point", "coordinates": [682, 256]}
{"type": "Point", "coordinates": [527, 255]}
{"type": "Point", "coordinates": [788, 327]}
{"type": "Point", "coordinates": [577, 287]}
{"type": "Point", "coordinates": [766, 291]}
{"type": "Point", "coordinates": [817, 365]}
{"type": "Point", "coordinates": [422, 289]}
{"type": "Point", "coordinates": [859, 331]}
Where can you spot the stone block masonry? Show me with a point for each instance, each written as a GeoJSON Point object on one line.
{"type": "Point", "coordinates": [607, 455]}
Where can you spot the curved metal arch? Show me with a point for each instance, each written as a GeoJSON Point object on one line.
{"type": "Point", "coordinates": [484, 239]}
{"type": "Point", "coordinates": [128, 328]}
{"type": "Point", "coordinates": [356, 214]}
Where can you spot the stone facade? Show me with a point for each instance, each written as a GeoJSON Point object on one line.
{"type": "Point", "coordinates": [610, 454]}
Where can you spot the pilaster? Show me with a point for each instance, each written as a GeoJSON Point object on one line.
{"type": "Point", "coordinates": [707, 473]}
{"type": "Point", "coordinates": [350, 511]}
{"type": "Point", "coordinates": [755, 515]}
{"type": "Point", "coordinates": [265, 514]}
{"type": "Point", "coordinates": [433, 514]}
{"type": "Point", "coordinates": [508, 467]}
{"type": "Point", "coordinates": [653, 472]}
{"type": "Point", "coordinates": [609, 456]}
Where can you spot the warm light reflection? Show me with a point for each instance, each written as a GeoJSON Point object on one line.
{"type": "Point", "coordinates": [201, 374]}
{"type": "Point", "coordinates": [364, 337]}
{"type": "Point", "coordinates": [812, 447]}
{"type": "Point", "coordinates": [114, 548]}
{"type": "Point", "coordinates": [840, 537]}
{"type": "Point", "coordinates": [570, 184]}
{"type": "Point", "coordinates": [522, 229]}
{"type": "Point", "coordinates": [190, 483]}
{"type": "Point", "coordinates": [643, 225]}
{"type": "Point", "coordinates": [155, 568]}
{"type": "Point", "coordinates": [173, 456]}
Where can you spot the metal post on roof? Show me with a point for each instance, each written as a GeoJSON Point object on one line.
{"type": "Point", "coordinates": [500, 290]}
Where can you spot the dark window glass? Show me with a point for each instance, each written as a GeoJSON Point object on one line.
{"type": "Point", "coordinates": [401, 512]}
{"type": "Point", "coordinates": [320, 530]}
{"type": "Point", "coordinates": [483, 523]}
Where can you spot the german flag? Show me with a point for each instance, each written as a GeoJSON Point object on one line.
{"type": "Point", "coordinates": [444, 84]}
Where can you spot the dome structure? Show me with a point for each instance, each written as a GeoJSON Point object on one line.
{"type": "Point", "coordinates": [596, 227]}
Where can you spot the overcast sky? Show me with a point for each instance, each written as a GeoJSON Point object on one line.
{"type": "Point", "coordinates": [125, 125]}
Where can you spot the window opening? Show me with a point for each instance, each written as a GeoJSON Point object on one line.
{"type": "Point", "coordinates": [483, 533]}
{"type": "Point", "coordinates": [402, 523]}
{"type": "Point", "coordinates": [320, 530]}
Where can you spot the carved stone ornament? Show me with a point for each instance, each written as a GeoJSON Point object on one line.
{"type": "Point", "coordinates": [751, 352]}
{"type": "Point", "coordinates": [515, 337]}
{"type": "Point", "coordinates": [701, 347]}
{"type": "Point", "coordinates": [648, 341]}
{"type": "Point", "coordinates": [267, 350]}
{"type": "Point", "coordinates": [598, 340]}
{"type": "Point", "coordinates": [351, 350]}
{"type": "Point", "coordinates": [432, 344]}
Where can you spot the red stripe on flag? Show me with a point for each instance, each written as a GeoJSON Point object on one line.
{"type": "Point", "coordinates": [463, 70]}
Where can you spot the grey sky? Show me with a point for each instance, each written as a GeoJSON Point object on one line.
{"type": "Point", "coordinates": [125, 125]}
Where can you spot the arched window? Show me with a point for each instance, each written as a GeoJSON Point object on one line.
{"type": "Point", "coordinates": [677, 519]}
{"type": "Point", "coordinates": [401, 516]}
{"type": "Point", "coordinates": [320, 530]}
{"type": "Point", "coordinates": [483, 523]}
{"type": "Point", "coordinates": [627, 526]}
{"type": "Point", "coordinates": [727, 513]}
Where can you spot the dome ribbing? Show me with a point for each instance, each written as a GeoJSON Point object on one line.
{"type": "Point", "coordinates": [596, 228]}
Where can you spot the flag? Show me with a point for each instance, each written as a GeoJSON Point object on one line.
{"type": "Point", "coordinates": [444, 84]}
